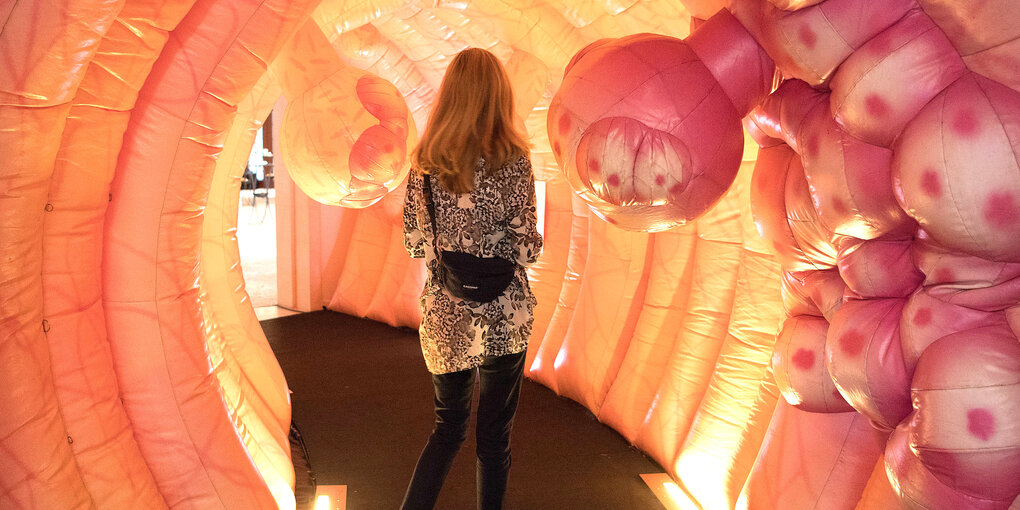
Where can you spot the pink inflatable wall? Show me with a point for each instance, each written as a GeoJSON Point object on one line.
{"type": "Point", "coordinates": [782, 237]}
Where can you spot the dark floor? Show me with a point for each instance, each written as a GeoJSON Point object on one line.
{"type": "Point", "coordinates": [363, 401]}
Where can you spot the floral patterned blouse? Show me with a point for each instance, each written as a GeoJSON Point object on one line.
{"type": "Point", "coordinates": [496, 218]}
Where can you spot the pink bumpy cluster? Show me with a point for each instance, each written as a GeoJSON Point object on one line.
{"type": "Point", "coordinates": [888, 184]}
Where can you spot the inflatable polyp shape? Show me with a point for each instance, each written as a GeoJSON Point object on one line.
{"type": "Point", "coordinates": [799, 365]}
{"type": "Point", "coordinates": [783, 113]}
{"type": "Point", "coordinates": [955, 169]}
{"type": "Point", "coordinates": [917, 487]}
{"type": "Point", "coordinates": [878, 268]}
{"type": "Point", "coordinates": [809, 43]}
{"type": "Point", "coordinates": [926, 318]}
{"type": "Point", "coordinates": [377, 155]}
{"type": "Point", "coordinates": [851, 184]}
{"type": "Point", "coordinates": [380, 152]}
{"type": "Point", "coordinates": [879, 88]}
{"type": "Point", "coordinates": [644, 133]}
{"type": "Point", "coordinates": [966, 392]}
{"type": "Point", "coordinates": [862, 351]}
{"type": "Point", "coordinates": [624, 163]}
{"type": "Point", "coordinates": [340, 148]}
{"type": "Point", "coordinates": [384, 102]}
{"type": "Point", "coordinates": [318, 148]}
{"type": "Point", "coordinates": [803, 45]}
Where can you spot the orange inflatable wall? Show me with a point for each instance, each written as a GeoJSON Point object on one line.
{"type": "Point", "coordinates": [782, 251]}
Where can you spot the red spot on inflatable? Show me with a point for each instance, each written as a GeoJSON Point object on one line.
{"type": "Point", "coordinates": [613, 180]}
{"type": "Point", "coordinates": [930, 184]}
{"type": "Point", "coordinates": [811, 147]}
{"type": "Point", "coordinates": [851, 343]}
{"type": "Point", "coordinates": [564, 123]}
{"type": "Point", "coordinates": [980, 423]}
{"type": "Point", "coordinates": [593, 166]}
{"type": "Point", "coordinates": [922, 317]}
{"type": "Point", "coordinates": [807, 36]}
{"type": "Point", "coordinates": [880, 45]}
{"type": "Point", "coordinates": [676, 189]}
{"type": "Point", "coordinates": [876, 106]}
{"type": "Point", "coordinates": [839, 207]}
{"type": "Point", "coordinates": [945, 275]}
{"type": "Point", "coordinates": [1001, 210]}
{"type": "Point", "coordinates": [803, 359]}
{"type": "Point", "coordinates": [660, 180]}
{"type": "Point", "coordinates": [965, 123]}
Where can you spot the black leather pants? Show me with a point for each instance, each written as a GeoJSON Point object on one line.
{"type": "Point", "coordinates": [499, 382]}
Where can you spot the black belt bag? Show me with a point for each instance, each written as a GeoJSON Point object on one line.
{"type": "Point", "coordinates": [479, 279]}
{"type": "Point", "coordinates": [467, 276]}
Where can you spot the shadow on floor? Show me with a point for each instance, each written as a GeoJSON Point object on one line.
{"type": "Point", "coordinates": [363, 400]}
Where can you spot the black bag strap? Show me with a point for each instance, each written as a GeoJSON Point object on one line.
{"type": "Point", "coordinates": [426, 189]}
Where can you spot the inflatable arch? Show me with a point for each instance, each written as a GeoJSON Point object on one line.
{"type": "Point", "coordinates": [783, 236]}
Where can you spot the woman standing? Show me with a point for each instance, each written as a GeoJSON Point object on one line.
{"type": "Point", "coordinates": [483, 191]}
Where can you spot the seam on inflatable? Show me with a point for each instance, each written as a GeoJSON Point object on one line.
{"type": "Point", "coordinates": [892, 51]}
{"type": "Point", "coordinates": [839, 457]}
{"type": "Point", "coordinates": [945, 163]}
{"type": "Point", "coordinates": [1013, 146]}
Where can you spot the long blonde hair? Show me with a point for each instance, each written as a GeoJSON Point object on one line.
{"type": "Point", "coordinates": [473, 117]}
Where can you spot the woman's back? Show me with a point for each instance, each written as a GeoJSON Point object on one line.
{"type": "Point", "coordinates": [496, 218]}
{"type": "Point", "coordinates": [483, 196]}
{"type": "Point", "coordinates": [478, 221]}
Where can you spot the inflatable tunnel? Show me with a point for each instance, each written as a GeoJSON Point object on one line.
{"type": "Point", "coordinates": [782, 236]}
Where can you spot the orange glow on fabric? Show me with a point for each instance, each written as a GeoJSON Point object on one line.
{"type": "Point", "coordinates": [820, 309]}
{"type": "Point", "coordinates": [340, 148]}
